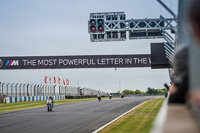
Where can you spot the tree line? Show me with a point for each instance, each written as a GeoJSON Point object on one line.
{"type": "Point", "coordinates": [150, 91]}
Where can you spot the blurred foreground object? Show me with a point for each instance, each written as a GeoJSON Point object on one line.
{"type": "Point", "coordinates": [179, 88]}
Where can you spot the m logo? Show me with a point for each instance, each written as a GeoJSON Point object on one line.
{"type": "Point", "coordinates": [1, 63]}
{"type": "Point", "coordinates": [12, 63]}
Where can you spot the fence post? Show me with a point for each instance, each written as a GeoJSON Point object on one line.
{"type": "Point", "coordinates": [40, 90]}
{"type": "Point", "coordinates": [2, 88]}
{"type": "Point", "coordinates": [49, 89]}
{"type": "Point", "coordinates": [34, 91]}
{"type": "Point", "coordinates": [7, 89]}
{"type": "Point", "coordinates": [65, 90]}
{"type": "Point", "coordinates": [31, 87]}
{"type": "Point", "coordinates": [24, 89]}
{"type": "Point", "coordinates": [20, 93]}
{"type": "Point", "coordinates": [38, 87]}
{"type": "Point", "coordinates": [59, 90]}
{"type": "Point", "coordinates": [16, 89]}
{"type": "Point", "coordinates": [54, 89]}
{"type": "Point", "coordinates": [12, 89]}
{"type": "Point", "coordinates": [43, 89]}
{"type": "Point", "coordinates": [27, 90]}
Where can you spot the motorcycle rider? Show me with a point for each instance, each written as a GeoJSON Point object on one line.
{"type": "Point", "coordinates": [110, 95]}
{"type": "Point", "coordinates": [51, 100]}
{"type": "Point", "coordinates": [122, 95]}
{"type": "Point", "coordinates": [99, 96]}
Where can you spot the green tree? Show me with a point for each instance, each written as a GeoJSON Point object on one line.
{"type": "Point", "coordinates": [150, 91]}
{"type": "Point", "coordinates": [126, 91]}
{"type": "Point", "coordinates": [137, 91]}
{"type": "Point", "coordinates": [142, 92]}
{"type": "Point", "coordinates": [161, 91]}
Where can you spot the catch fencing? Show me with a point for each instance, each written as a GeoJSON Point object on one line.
{"type": "Point", "coordinates": [17, 90]}
{"type": "Point", "coordinates": [20, 89]}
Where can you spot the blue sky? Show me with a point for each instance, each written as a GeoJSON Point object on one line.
{"type": "Point", "coordinates": [49, 27]}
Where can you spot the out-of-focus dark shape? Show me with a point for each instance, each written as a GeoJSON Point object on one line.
{"type": "Point", "coordinates": [166, 86]}
{"type": "Point", "coordinates": [180, 63]}
{"type": "Point", "coordinates": [195, 19]}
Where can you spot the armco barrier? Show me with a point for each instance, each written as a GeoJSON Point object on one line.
{"type": "Point", "coordinates": [31, 98]}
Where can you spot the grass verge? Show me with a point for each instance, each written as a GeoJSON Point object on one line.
{"type": "Point", "coordinates": [140, 120]}
{"type": "Point", "coordinates": [8, 107]}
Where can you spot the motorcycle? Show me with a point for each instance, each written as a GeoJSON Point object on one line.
{"type": "Point", "coordinates": [49, 104]}
{"type": "Point", "coordinates": [122, 95]}
{"type": "Point", "coordinates": [110, 96]}
{"type": "Point", "coordinates": [99, 98]}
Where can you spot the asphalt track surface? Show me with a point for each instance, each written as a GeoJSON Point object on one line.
{"type": "Point", "coordinates": [80, 117]}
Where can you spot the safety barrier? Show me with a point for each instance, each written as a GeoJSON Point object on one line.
{"type": "Point", "coordinates": [21, 90]}
{"type": "Point", "coordinates": [30, 98]}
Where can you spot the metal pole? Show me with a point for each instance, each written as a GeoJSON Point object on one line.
{"type": "Point", "coordinates": [40, 88]}
{"type": "Point", "coordinates": [31, 87]}
{"type": "Point", "coordinates": [167, 8]}
{"type": "Point", "coordinates": [34, 90]}
{"type": "Point", "coordinates": [43, 89]}
{"type": "Point", "coordinates": [48, 89]}
{"type": "Point", "coordinates": [27, 90]}
{"type": "Point", "coordinates": [59, 90]}
{"type": "Point", "coordinates": [16, 89]}
{"type": "Point", "coordinates": [54, 90]}
{"type": "Point", "coordinates": [2, 87]}
{"type": "Point", "coordinates": [62, 90]}
{"type": "Point", "coordinates": [7, 89]}
{"type": "Point", "coordinates": [24, 89]}
{"type": "Point", "coordinates": [12, 89]}
{"type": "Point", "coordinates": [37, 90]}
{"type": "Point", "coordinates": [20, 93]}
{"type": "Point", "coordinates": [119, 86]}
{"type": "Point", "coordinates": [65, 90]}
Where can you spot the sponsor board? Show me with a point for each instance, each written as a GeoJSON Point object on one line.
{"type": "Point", "coordinates": [85, 61]}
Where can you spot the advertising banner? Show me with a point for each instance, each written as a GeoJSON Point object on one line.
{"type": "Point", "coordinates": [84, 61]}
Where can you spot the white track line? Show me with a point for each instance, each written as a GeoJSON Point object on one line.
{"type": "Point", "coordinates": [117, 118]}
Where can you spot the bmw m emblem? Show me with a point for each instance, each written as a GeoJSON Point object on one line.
{"type": "Point", "coordinates": [1, 63]}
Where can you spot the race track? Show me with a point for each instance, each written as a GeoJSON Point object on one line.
{"type": "Point", "coordinates": [81, 117]}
